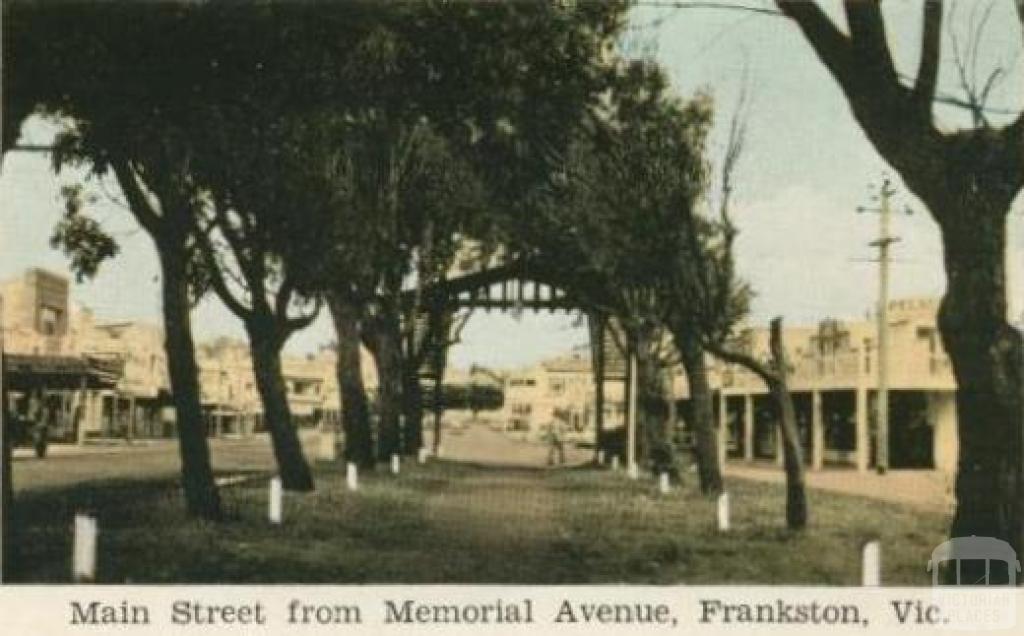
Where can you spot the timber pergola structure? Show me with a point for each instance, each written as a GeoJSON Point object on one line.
{"type": "Point", "coordinates": [518, 285]}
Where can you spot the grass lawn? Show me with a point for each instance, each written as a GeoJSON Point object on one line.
{"type": "Point", "coordinates": [460, 523]}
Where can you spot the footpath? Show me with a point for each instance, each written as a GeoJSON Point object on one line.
{"type": "Point", "coordinates": [927, 489]}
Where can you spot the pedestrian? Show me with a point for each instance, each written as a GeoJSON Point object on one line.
{"type": "Point", "coordinates": [556, 448]}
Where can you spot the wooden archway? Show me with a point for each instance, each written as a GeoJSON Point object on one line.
{"type": "Point", "coordinates": [519, 285]}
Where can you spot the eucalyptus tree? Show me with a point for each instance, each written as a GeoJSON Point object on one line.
{"type": "Point", "coordinates": [611, 226]}
{"type": "Point", "coordinates": [969, 178]}
{"type": "Point", "coordinates": [359, 248]}
{"type": "Point", "coordinates": [131, 84]}
{"type": "Point", "coordinates": [134, 84]}
{"type": "Point", "coordinates": [444, 87]}
{"type": "Point", "coordinates": [328, 243]}
{"type": "Point", "coordinates": [241, 234]}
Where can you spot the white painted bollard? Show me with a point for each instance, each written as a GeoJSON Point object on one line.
{"type": "Point", "coordinates": [663, 486]}
{"type": "Point", "coordinates": [723, 512]}
{"type": "Point", "coordinates": [352, 476]}
{"type": "Point", "coordinates": [396, 463]}
{"type": "Point", "coordinates": [422, 455]}
{"type": "Point", "coordinates": [634, 471]}
{"type": "Point", "coordinates": [83, 562]}
{"type": "Point", "coordinates": [871, 564]}
{"type": "Point", "coordinates": [615, 462]}
{"type": "Point", "coordinates": [275, 504]}
{"type": "Point", "coordinates": [600, 458]}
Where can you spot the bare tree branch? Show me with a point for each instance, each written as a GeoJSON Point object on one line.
{"type": "Point", "coordinates": [147, 216]}
{"type": "Point", "coordinates": [217, 280]}
{"type": "Point", "coordinates": [708, 5]}
{"type": "Point", "coordinates": [965, 60]}
{"type": "Point", "coordinates": [732, 356]}
{"type": "Point", "coordinates": [832, 46]}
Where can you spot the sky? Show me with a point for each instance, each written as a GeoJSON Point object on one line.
{"type": "Point", "coordinates": [805, 170]}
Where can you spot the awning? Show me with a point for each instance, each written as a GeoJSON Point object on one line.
{"type": "Point", "coordinates": [23, 372]}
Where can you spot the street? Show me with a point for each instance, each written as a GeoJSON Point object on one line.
{"type": "Point", "coordinates": [67, 465]}
{"type": "Point", "coordinates": [478, 443]}
{"type": "Point", "coordinates": [151, 459]}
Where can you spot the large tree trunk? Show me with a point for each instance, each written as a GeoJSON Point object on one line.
{"type": "Point", "coordinates": [266, 364]}
{"type": "Point", "coordinates": [201, 496]}
{"type": "Point", "coordinates": [986, 355]}
{"type": "Point", "coordinates": [654, 435]}
{"type": "Point", "coordinates": [796, 494]}
{"type": "Point", "coordinates": [969, 179]}
{"type": "Point", "coordinates": [355, 410]}
{"type": "Point", "coordinates": [701, 411]}
{"type": "Point", "coordinates": [383, 337]}
{"type": "Point", "coordinates": [412, 392]}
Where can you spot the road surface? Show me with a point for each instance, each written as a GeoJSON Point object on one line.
{"type": "Point", "coordinates": [158, 459]}
{"type": "Point", "coordinates": [150, 459]}
{"type": "Point", "coordinates": [478, 443]}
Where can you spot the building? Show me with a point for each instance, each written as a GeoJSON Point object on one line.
{"type": "Point", "coordinates": [140, 404]}
{"type": "Point", "coordinates": [833, 380]}
{"type": "Point", "coordinates": [312, 385]}
{"type": "Point", "coordinates": [54, 385]}
{"type": "Point", "coordinates": [40, 323]}
{"type": "Point", "coordinates": [558, 391]}
{"type": "Point", "coordinates": [228, 393]}
{"type": "Point", "coordinates": [36, 315]}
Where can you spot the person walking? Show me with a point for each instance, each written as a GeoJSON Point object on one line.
{"type": "Point", "coordinates": [556, 447]}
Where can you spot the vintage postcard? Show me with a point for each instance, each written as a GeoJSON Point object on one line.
{"type": "Point", "coordinates": [534, 316]}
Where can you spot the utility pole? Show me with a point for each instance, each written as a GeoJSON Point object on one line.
{"type": "Point", "coordinates": [884, 240]}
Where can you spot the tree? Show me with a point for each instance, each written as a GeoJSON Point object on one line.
{"type": "Point", "coordinates": [613, 220]}
{"type": "Point", "coordinates": [442, 85]}
{"type": "Point", "coordinates": [774, 374]}
{"type": "Point", "coordinates": [369, 205]}
{"type": "Point", "coordinates": [503, 113]}
{"type": "Point", "coordinates": [264, 312]}
{"type": "Point", "coordinates": [376, 163]}
{"type": "Point", "coordinates": [355, 408]}
{"type": "Point", "coordinates": [421, 236]}
{"type": "Point", "coordinates": [703, 300]}
{"type": "Point", "coordinates": [131, 115]}
{"type": "Point", "coordinates": [968, 178]}
{"type": "Point", "coordinates": [68, 76]}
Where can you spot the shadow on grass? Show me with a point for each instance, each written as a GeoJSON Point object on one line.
{"type": "Point", "coordinates": [465, 522]}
